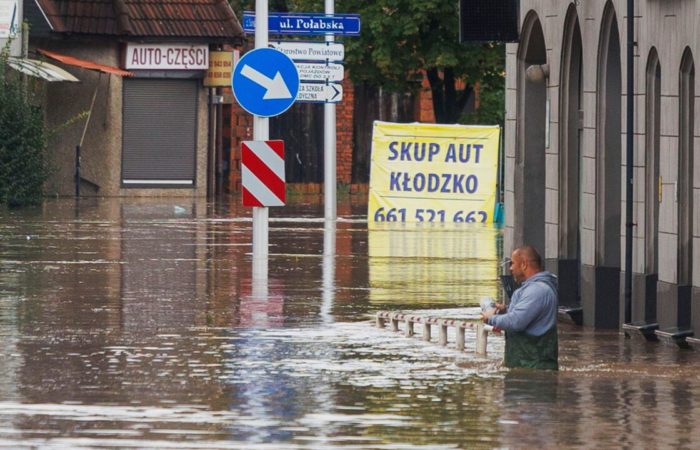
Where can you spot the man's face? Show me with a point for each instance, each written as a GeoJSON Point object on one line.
{"type": "Point", "coordinates": [517, 267]}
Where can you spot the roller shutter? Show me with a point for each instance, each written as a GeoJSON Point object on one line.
{"type": "Point", "coordinates": [159, 135]}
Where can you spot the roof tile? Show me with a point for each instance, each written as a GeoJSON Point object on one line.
{"type": "Point", "coordinates": [144, 18]}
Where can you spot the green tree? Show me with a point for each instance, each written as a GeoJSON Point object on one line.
{"type": "Point", "coordinates": [23, 139]}
{"type": "Point", "coordinates": [402, 39]}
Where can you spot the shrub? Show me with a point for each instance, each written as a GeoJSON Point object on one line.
{"type": "Point", "coordinates": [23, 140]}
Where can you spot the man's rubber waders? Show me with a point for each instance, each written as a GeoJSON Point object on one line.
{"type": "Point", "coordinates": [534, 352]}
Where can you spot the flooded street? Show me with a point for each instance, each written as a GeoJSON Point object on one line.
{"type": "Point", "coordinates": [133, 323]}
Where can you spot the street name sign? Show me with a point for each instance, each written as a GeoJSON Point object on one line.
{"type": "Point", "coordinates": [320, 72]}
{"type": "Point", "coordinates": [262, 173]}
{"type": "Point", "coordinates": [311, 51]}
{"type": "Point", "coordinates": [306, 23]}
{"type": "Point", "coordinates": [265, 82]}
{"type": "Point", "coordinates": [320, 93]}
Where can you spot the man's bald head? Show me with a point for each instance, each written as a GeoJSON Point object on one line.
{"type": "Point", "coordinates": [530, 254]}
{"type": "Point", "coordinates": [525, 262]}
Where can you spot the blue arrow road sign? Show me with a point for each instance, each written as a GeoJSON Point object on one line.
{"type": "Point", "coordinates": [306, 23]}
{"type": "Point", "coordinates": [265, 82]}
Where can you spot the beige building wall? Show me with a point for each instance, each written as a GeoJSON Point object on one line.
{"type": "Point", "coordinates": [101, 151]}
{"type": "Point", "coordinates": [670, 28]}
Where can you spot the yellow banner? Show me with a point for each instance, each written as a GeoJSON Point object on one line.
{"type": "Point", "coordinates": [220, 68]}
{"type": "Point", "coordinates": [432, 173]}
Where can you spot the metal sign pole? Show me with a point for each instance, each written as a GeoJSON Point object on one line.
{"type": "Point", "coordinates": [329, 140]}
{"type": "Point", "coordinates": [261, 132]}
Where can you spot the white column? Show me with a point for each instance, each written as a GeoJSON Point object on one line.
{"type": "Point", "coordinates": [329, 139]}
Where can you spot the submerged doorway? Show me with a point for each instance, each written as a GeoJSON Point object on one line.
{"type": "Point", "coordinates": [571, 128]}
{"type": "Point", "coordinates": [647, 310]}
{"type": "Point", "coordinates": [685, 206]}
{"type": "Point", "coordinates": [600, 292]}
{"type": "Point", "coordinates": [529, 217]}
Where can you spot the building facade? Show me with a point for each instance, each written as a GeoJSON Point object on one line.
{"type": "Point", "coordinates": [141, 113]}
{"type": "Point", "coordinates": [565, 141]}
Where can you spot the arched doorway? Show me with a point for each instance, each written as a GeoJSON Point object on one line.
{"type": "Point", "coordinates": [647, 310]}
{"type": "Point", "coordinates": [529, 183]}
{"type": "Point", "coordinates": [685, 207]}
{"type": "Point", "coordinates": [571, 128]}
{"type": "Point", "coordinates": [601, 283]}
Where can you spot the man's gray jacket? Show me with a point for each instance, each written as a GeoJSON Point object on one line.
{"type": "Point", "coordinates": [533, 308]}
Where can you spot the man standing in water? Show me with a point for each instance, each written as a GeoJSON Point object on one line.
{"type": "Point", "coordinates": [530, 321]}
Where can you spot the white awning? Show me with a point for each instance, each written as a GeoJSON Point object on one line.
{"type": "Point", "coordinates": [40, 69]}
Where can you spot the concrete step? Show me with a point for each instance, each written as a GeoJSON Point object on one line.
{"type": "Point", "coordinates": [675, 336]}
{"type": "Point", "coordinates": [693, 342]}
{"type": "Point", "coordinates": [570, 314]}
{"type": "Point", "coordinates": [642, 330]}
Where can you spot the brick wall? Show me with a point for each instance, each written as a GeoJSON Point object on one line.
{"type": "Point", "coordinates": [241, 126]}
{"type": "Point", "coordinates": [424, 109]}
{"type": "Point", "coordinates": [344, 120]}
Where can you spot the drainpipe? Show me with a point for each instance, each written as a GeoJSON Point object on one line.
{"type": "Point", "coordinates": [219, 143]}
{"type": "Point", "coordinates": [630, 161]}
{"type": "Point", "coordinates": [211, 144]}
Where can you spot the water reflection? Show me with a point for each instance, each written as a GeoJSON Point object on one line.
{"type": "Point", "coordinates": [139, 323]}
{"type": "Point", "coordinates": [329, 240]}
{"type": "Point", "coordinates": [434, 263]}
{"type": "Point", "coordinates": [160, 266]}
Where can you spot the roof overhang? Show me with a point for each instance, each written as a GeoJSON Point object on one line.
{"type": "Point", "coordinates": [40, 69]}
{"type": "Point", "coordinates": [85, 64]}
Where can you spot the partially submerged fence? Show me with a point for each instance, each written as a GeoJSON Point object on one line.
{"type": "Point", "coordinates": [396, 318]}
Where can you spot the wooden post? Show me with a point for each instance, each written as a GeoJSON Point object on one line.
{"type": "Point", "coordinates": [426, 332]}
{"type": "Point", "coordinates": [409, 327]}
{"type": "Point", "coordinates": [460, 337]}
{"type": "Point", "coordinates": [380, 322]}
{"type": "Point", "coordinates": [481, 339]}
{"type": "Point", "coordinates": [443, 334]}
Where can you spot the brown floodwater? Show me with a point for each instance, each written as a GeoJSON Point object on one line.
{"type": "Point", "coordinates": [135, 323]}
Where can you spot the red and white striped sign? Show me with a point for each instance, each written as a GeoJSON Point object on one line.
{"type": "Point", "coordinates": [262, 167]}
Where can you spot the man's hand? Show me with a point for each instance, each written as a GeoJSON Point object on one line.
{"type": "Point", "coordinates": [499, 309]}
{"type": "Point", "coordinates": [487, 314]}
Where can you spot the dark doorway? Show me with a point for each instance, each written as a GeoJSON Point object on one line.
{"type": "Point", "coordinates": [530, 167]}
{"type": "Point", "coordinates": [571, 120]}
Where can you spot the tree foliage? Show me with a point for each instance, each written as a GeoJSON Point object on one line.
{"type": "Point", "coordinates": [401, 40]}
{"type": "Point", "coordinates": [23, 140]}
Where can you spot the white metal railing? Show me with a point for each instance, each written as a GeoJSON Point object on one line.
{"type": "Point", "coordinates": [396, 318]}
